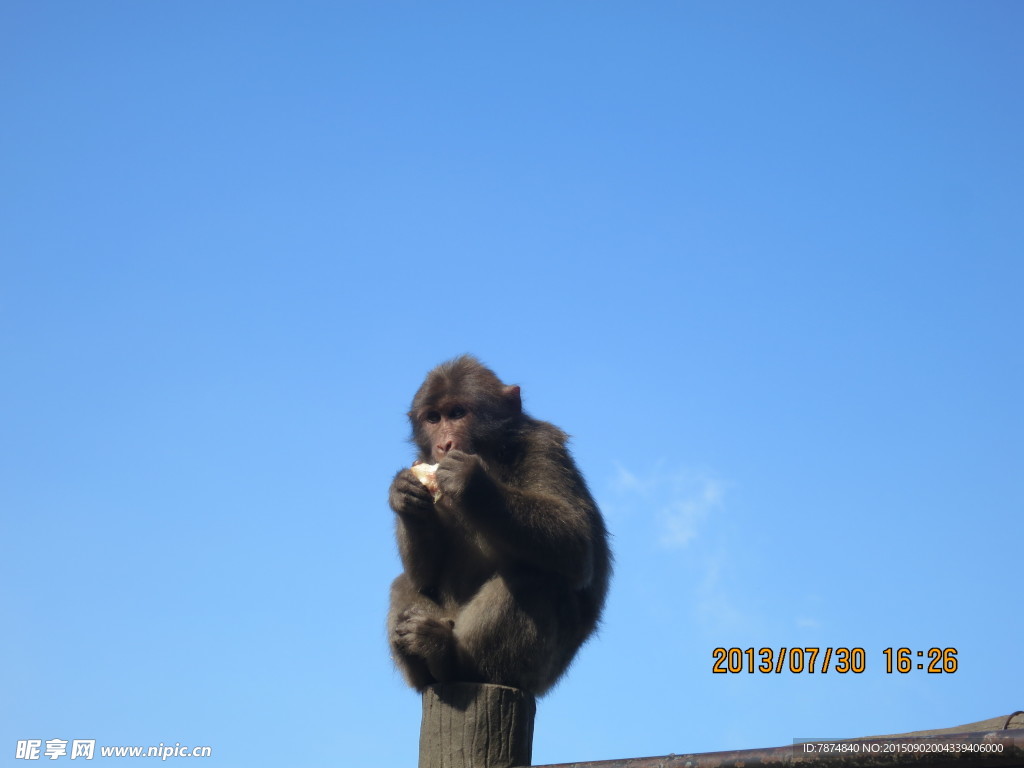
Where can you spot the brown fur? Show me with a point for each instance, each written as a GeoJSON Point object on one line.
{"type": "Point", "coordinates": [505, 575]}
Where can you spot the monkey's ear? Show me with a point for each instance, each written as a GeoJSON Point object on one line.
{"type": "Point", "coordinates": [513, 399]}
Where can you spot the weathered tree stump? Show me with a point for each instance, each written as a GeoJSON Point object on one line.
{"type": "Point", "coordinates": [471, 725]}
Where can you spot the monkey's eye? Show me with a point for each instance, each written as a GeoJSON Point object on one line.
{"type": "Point", "coordinates": [457, 412]}
{"type": "Point", "coordinates": [432, 417]}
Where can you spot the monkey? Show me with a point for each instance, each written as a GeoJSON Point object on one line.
{"type": "Point", "coordinates": [505, 575]}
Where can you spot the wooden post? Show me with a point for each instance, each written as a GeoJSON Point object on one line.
{"type": "Point", "coordinates": [473, 725]}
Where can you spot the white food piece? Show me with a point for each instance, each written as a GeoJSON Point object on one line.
{"type": "Point", "coordinates": [427, 474]}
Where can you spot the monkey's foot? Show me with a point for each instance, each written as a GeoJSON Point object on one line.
{"type": "Point", "coordinates": [419, 634]}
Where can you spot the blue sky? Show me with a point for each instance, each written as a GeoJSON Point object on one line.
{"type": "Point", "coordinates": [761, 260]}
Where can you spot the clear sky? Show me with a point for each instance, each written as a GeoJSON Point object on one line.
{"type": "Point", "coordinates": [762, 260]}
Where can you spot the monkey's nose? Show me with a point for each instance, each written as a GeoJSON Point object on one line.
{"type": "Point", "coordinates": [443, 449]}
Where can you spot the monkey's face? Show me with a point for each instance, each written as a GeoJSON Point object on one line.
{"type": "Point", "coordinates": [445, 427]}
{"type": "Point", "coordinates": [463, 407]}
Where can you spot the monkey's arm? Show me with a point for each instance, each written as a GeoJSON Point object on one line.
{"type": "Point", "coordinates": [546, 521]}
{"type": "Point", "coordinates": [545, 530]}
{"type": "Point", "coordinates": [422, 549]}
{"type": "Point", "coordinates": [421, 543]}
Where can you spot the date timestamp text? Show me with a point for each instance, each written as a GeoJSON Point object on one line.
{"type": "Point", "coordinates": [822, 660]}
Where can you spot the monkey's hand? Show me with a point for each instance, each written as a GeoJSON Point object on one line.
{"type": "Point", "coordinates": [409, 497]}
{"type": "Point", "coordinates": [459, 472]}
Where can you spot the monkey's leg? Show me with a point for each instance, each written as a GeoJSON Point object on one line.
{"type": "Point", "coordinates": [511, 633]}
